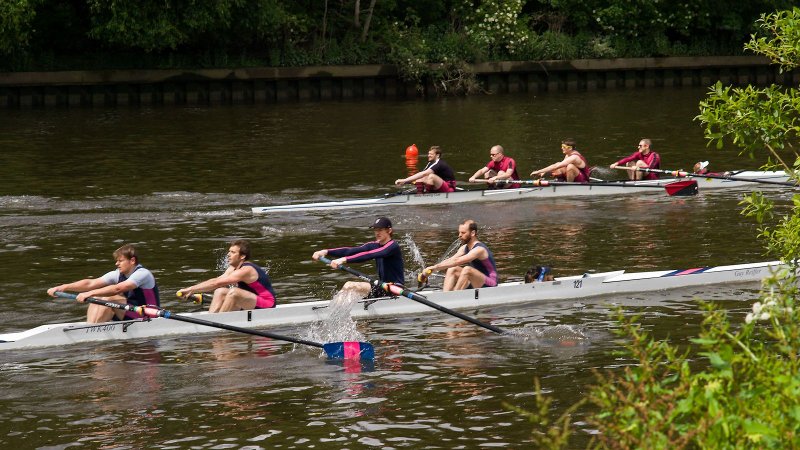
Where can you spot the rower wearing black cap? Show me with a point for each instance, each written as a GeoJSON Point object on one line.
{"type": "Point", "coordinates": [384, 250]}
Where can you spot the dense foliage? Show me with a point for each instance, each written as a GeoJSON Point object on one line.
{"type": "Point", "coordinates": [93, 34]}
{"type": "Point", "coordinates": [736, 386]}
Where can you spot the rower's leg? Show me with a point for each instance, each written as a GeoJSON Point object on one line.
{"type": "Point", "coordinates": [218, 299]}
{"type": "Point", "coordinates": [470, 276]}
{"type": "Point", "coordinates": [450, 278]}
{"type": "Point", "coordinates": [433, 182]}
{"type": "Point", "coordinates": [634, 174]}
{"type": "Point", "coordinates": [99, 313]}
{"type": "Point", "coordinates": [237, 300]}
{"type": "Point", "coordinates": [571, 172]}
{"type": "Point", "coordinates": [356, 288]}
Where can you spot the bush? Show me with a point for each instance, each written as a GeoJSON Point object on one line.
{"type": "Point", "coordinates": [745, 394]}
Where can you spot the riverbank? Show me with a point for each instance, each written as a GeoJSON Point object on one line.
{"type": "Point", "coordinates": [320, 83]}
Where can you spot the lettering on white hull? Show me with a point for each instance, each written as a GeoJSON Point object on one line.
{"type": "Point", "coordinates": [747, 273]}
{"type": "Point", "coordinates": [102, 328]}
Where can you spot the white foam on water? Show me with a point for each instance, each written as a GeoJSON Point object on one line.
{"type": "Point", "coordinates": [555, 333]}
{"type": "Point", "coordinates": [413, 249]}
{"type": "Point", "coordinates": [338, 326]}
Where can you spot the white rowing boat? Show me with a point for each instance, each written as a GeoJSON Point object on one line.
{"type": "Point", "coordinates": [552, 191]}
{"type": "Point", "coordinates": [563, 288]}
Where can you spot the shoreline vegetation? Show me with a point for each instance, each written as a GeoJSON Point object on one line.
{"type": "Point", "coordinates": [735, 384]}
{"type": "Point", "coordinates": [430, 40]}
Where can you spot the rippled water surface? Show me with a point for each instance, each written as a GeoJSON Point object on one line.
{"type": "Point", "coordinates": [179, 183]}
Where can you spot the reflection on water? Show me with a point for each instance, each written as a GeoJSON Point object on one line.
{"type": "Point", "coordinates": [179, 183]}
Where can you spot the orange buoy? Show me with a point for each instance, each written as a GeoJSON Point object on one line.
{"type": "Point", "coordinates": [411, 165]}
{"type": "Point", "coordinates": [412, 157]}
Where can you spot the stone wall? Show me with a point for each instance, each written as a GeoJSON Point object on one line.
{"type": "Point", "coordinates": [268, 85]}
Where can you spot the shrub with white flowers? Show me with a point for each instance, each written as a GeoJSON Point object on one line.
{"type": "Point", "coordinates": [497, 24]}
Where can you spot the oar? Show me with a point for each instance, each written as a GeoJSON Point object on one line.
{"type": "Point", "coordinates": [423, 281]}
{"type": "Point", "coordinates": [195, 298]}
{"type": "Point", "coordinates": [339, 350]}
{"type": "Point", "coordinates": [676, 188]}
{"type": "Point", "coordinates": [403, 292]}
{"type": "Point", "coordinates": [402, 192]}
{"type": "Point", "coordinates": [683, 174]}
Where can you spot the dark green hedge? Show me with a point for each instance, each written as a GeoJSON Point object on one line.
{"type": "Point", "coordinates": [106, 34]}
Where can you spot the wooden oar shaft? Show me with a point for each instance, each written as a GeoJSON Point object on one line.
{"type": "Point", "coordinates": [158, 312]}
{"type": "Point", "coordinates": [400, 290]}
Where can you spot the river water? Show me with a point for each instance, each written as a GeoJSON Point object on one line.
{"type": "Point", "coordinates": [179, 183]}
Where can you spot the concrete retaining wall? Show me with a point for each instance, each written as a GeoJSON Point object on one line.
{"type": "Point", "coordinates": [268, 85]}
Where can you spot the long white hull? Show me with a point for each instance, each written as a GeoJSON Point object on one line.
{"type": "Point", "coordinates": [553, 191]}
{"type": "Point", "coordinates": [608, 283]}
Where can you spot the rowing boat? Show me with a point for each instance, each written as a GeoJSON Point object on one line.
{"type": "Point", "coordinates": [533, 192]}
{"type": "Point", "coordinates": [562, 288]}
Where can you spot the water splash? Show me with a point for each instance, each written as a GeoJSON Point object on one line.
{"type": "Point", "coordinates": [450, 250]}
{"type": "Point", "coordinates": [338, 326]}
{"type": "Point", "coordinates": [558, 335]}
{"type": "Point", "coordinates": [436, 280]}
{"type": "Point", "coordinates": [222, 259]}
{"type": "Point", "coordinates": [416, 256]}
{"type": "Point", "coordinates": [418, 261]}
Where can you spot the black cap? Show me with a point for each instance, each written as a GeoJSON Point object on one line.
{"type": "Point", "coordinates": [381, 222]}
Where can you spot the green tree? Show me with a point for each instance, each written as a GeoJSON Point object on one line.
{"type": "Point", "coordinates": [764, 121]}
{"type": "Point", "coordinates": [745, 395]}
{"type": "Point", "coordinates": [15, 25]}
{"type": "Point", "coordinates": [653, 27]}
{"type": "Point", "coordinates": [153, 25]}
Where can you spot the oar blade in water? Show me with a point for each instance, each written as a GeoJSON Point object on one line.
{"type": "Point", "coordinates": [337, 350]}
{"type": "Point", "coordinates": [349, 350]}
{"type": "Point", "coordinates": [682, 188]}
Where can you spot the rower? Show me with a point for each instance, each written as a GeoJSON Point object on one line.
{"type": "Point", "coordinates": [573, 167]}
{"type": "Point", "coordinates": [253, 288]}
{"type": "Point", "coordinates": [384, 250]}
{"type": "Point", "coordinates": [499, 170]}
{"type": "Point", "coordinates": [643, 158]}
{"type": "Point", "coordinates": [701, 168]}
{"type": "Point", "coordinates": [472, 266]}
{"type": "Point", "coordinates": [129, 284]}
{"type": "Point", "coordinates": [437, 176]}
{"type": "Point", "coordinates": [538, 274]}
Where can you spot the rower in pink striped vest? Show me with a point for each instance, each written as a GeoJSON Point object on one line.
{"type": "Point", "coordinates": [253, 287]}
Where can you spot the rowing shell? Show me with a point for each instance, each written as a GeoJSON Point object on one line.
{"type": "Point", "coordinates": [553, 191]}
{"type": "Point", "coordinates": [581, 286]}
